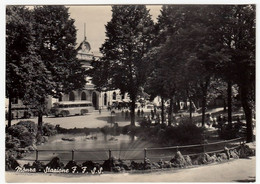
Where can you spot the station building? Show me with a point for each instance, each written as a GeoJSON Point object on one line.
{"type": "Point", "coordinates": [99, 99]}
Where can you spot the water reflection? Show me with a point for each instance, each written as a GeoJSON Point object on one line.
{"type": "Point", "coordinates": [95, 146]}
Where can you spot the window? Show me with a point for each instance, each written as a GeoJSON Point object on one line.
{"type": "Point", "coordinates": [114, 96]}
{"type": "Point", "coordinates": [105, 99]}
{"type": "Point", "coordinates": [83, 96]}
{"type": "Point", "coordinates": [71, 96]}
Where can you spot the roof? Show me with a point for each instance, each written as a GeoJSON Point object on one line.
{"type": "Point", "coordinates": [84, 47]}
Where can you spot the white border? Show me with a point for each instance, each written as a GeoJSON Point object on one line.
{"type": "Point", "coordinates": [3, 3]}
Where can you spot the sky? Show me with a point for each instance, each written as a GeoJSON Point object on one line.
{"type": "Point", "coordinates": [96, 17]}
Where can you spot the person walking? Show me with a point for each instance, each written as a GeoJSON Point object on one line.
{"type": "Point", "coordinates": [126, 115]}
{"type": "Point", "coordinates": [142, 113]}
{"type": "Point", "coordinates": [138, 112]}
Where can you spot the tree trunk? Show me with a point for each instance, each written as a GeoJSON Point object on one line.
{"type": "Point", "coordinates": [190, 109]}
{"type": "Point", "coordinates": [225, 106]}
{"type": "Point", "coordinates": [229, 92]}
{"type": "Point", "coordinates": [40, 121]}
{"type": "Point", "coordinates": [204, 100]}
{"type": "Point", "coordinates": [170, 112]}
{"type": "Point", "coordinates": [248, 113]}
{"type": "Point", "coordinates": [203, 110]}
{"type": "Point", "coordinates": [203, 104]}
{"type": "Point", "coordinates": [175, 107]}
{"type": "Point", "coordinates": [132, 112]}
{"type": "Point", "coordinates": [9, 111]}
{"type": "Point", "coordinates": [162, 113]}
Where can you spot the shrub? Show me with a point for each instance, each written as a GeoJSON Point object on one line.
{"type": "Point", "coordinates": [10, 163]}
{"type": "Point", "coordinates": [49, 129]}
{"type": "Point", "coordinates": [145, 123]}
{"type": "Point", "coordinates": [55, 163]}
{"type": "Point", "coordinates": [227, 132]}
{"type": "Point", "coordinates": [11, 142]}
{"type": "Point", "coordinates": [17, 130]}
{"type": "Point", "coordinates": [30, 125]}
{"type": "Point", "coordinates": [105, 130]}
{"type": "Point", "coordinates": [183, 134]}
{"type": "Point", "coordinates": [26, 139]}
{"type": "Point", "coordinates": [39, 138]}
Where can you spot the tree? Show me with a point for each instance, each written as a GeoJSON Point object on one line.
{"type": "Point", "coordinates": [186, 51]}
{"type": "Point", "coordinates": [123, 65]}
{"type": "Point", "coordinates": [41, 55]}
{"type": "Point", "coordinates": [19, 50]}
{"type": "Point", "coordinates": [237, 36]}
{"type": "Point", "coordinates": [55, 43]}
{"type": "Point", "coordinates": [241, 41]}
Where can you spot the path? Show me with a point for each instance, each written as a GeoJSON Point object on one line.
{"type": "Point", "coordinates": [235, 170]}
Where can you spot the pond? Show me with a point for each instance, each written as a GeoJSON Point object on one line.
{"type": "Point", "coordinates": [96, 147]}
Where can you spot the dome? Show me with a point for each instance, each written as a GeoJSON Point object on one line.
{"type": "Point", "coordinates": [84, 47]}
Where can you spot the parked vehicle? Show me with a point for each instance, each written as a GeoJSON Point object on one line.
{"type": "Point", "coordinates": [72, 108]}
{"type": "Point", "coordinates": [22, 111]}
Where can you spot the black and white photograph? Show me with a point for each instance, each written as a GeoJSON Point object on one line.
{"type": "Point", "coordinates": [129, 93]}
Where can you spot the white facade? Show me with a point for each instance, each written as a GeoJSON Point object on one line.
{"type": "Point", "coordinates": [98, 99]}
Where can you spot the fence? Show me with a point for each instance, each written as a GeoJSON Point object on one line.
{"type": "Point", "coordinates": [140, 154]}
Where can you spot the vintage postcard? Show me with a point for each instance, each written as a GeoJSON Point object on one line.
{"type": "Point", "coordinates": [130, 93]}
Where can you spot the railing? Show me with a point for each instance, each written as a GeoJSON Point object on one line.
{"type": "Point", "coordinates": [147, 153]}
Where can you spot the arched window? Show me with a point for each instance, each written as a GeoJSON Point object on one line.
{"type": "Point", "coordinates": [114, 96]}
{"type": "Point", "coordinates": [83, 96]}
{"type": "Point", "coordinates": [105, 99]}
{"type": "Point", "coordinates": [71, 96]}
{"type": "Point", "coordinates": [123, 96]}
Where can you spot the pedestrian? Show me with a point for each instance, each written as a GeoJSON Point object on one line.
{"type": "Point", "coordinates": [99, 110]}
{"type": "Point", "coordinates": [214, 121]}
{"type": "Point", "coordinates": [220, 120]}
{"type": "Point", "coordinates": [152, 114]}
{"type": "Point", "coordinates": [142, 113]}
{"type": "Point", "coordinates": [126, 114]}
{"type": "Point", "coordinates": [209, 120]}
{"type": "Point", "coordinates": [138, 112]}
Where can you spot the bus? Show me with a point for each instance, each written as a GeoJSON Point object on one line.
{"type": "Point", "coordinates": [72, 108]}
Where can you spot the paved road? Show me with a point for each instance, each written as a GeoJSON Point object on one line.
{"type": "Point", "coordinates": [236, 170]}
{"type": "Point", "coordinates": [94, 119]}
{"type": "Point", "coordinates": [90, 120]}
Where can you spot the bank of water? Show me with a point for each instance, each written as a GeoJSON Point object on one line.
{"type": "Point", "coordinates": [96, 147]}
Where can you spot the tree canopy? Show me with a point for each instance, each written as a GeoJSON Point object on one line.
{"type": "Point", "coordinates": [41, 54]}
{"type": "Point", "coordinates": [129, 35]}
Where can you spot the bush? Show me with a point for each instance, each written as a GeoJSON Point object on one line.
{"type": "Point", "coordinates": [145, 123]}
{"type": "Point", "coordinates": [105, 130]}
{"type": "Point", "coordinates": [26, 139]}
{"type": "Point", "coordinates": [183, 134]}
{"type": "Point", "coordinates": [49, 129]}
{"type": "Point", "coordinates": [55, 163]}
{"type": "Point", "coordinates": [227, 132]}
{"type": "Point", "coordinates": [30, 125]}
{"type": "Point", "coordinates": [11, 142]}
{"type": "Point", "coordinates": [17, 130]}
{"type": "Point", "coordinates": [131, 130]}
{"type": "Point", "coordinates": [10, 163]}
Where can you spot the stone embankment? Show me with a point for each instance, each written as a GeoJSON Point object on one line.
{"type": "Point", "coordinates": [117, 165]}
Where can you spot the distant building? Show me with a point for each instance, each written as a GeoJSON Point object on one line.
{"type": "Point", "coordinates": [98, 99]}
